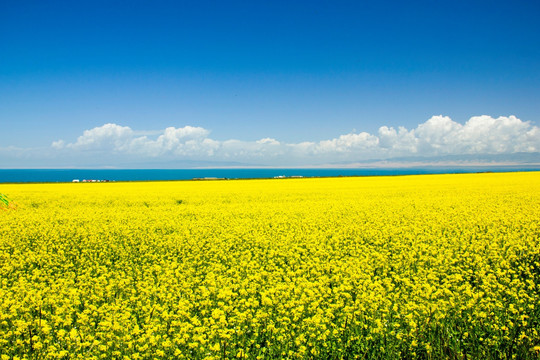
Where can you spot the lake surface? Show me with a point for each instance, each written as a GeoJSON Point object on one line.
{"type": "Point", "coordinates": [68, 175]}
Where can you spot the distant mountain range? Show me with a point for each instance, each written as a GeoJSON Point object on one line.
{"type": "Point", "coordinates": [518, 159]}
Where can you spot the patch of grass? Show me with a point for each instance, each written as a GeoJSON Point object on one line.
{"type": "Point", "coordinates": [179, 202]}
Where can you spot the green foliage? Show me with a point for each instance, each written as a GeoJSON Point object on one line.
{"type": "Point", "coordinates": [4, 201]}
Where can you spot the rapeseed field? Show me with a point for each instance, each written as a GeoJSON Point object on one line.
{"type": "Point", "coordinates": [412, 267]}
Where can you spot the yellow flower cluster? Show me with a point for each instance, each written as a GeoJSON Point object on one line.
{"type": "Point", "coordinates": [435, 266]}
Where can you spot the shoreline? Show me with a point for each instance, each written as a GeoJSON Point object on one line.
{"type": "Point", "coordinates": [279, 177]}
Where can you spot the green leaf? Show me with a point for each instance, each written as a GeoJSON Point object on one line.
{"type": "Point", "coordinates": [4, 199]}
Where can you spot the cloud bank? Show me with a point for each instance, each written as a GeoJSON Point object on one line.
{"type": "Point", "coordinates": [439, 136]}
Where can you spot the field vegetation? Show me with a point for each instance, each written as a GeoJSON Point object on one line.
{"type": "Point", "coordinates": [411, 267]}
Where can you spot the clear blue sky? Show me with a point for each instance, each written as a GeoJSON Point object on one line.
{"type": "Point", "coordinates": [294, 71]}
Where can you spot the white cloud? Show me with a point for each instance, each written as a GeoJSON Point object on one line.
{"type": "Point", "coordinates": [438, 136]}
{"type": "Point", "coordinates": [58, 144]}
{"type": "Point", "coordinates": [268, 141]}
{"type": "Point", "coordinates": [480, 135]}
{"type": "Point", "coordinates": [185, 141]}
{"type": "Point", "coordinates": [106, 137]}
{"type": "Point", "coordinates": [348, 143]}
{"type": "Point", "coordinates": [400, 141]}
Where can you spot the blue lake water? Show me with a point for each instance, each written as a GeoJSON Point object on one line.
{"type": "Point", "coordinates": [68, 175]}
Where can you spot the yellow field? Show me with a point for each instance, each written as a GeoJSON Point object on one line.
{"type": "Point", "coordinates": [436, 266]}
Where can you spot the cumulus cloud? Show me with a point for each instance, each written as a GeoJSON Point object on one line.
{"type": "Point", "coordinates": [106, 137]}
{"type": "Point", "coordinates": [481, 134]}
{"type": "Point", "coordinates": [438, 136]}
{"type": "Point", "coordinates": [268, 141]}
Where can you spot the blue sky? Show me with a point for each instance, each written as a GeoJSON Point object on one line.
{"type": "Point", "coordinates": [97, 83]}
